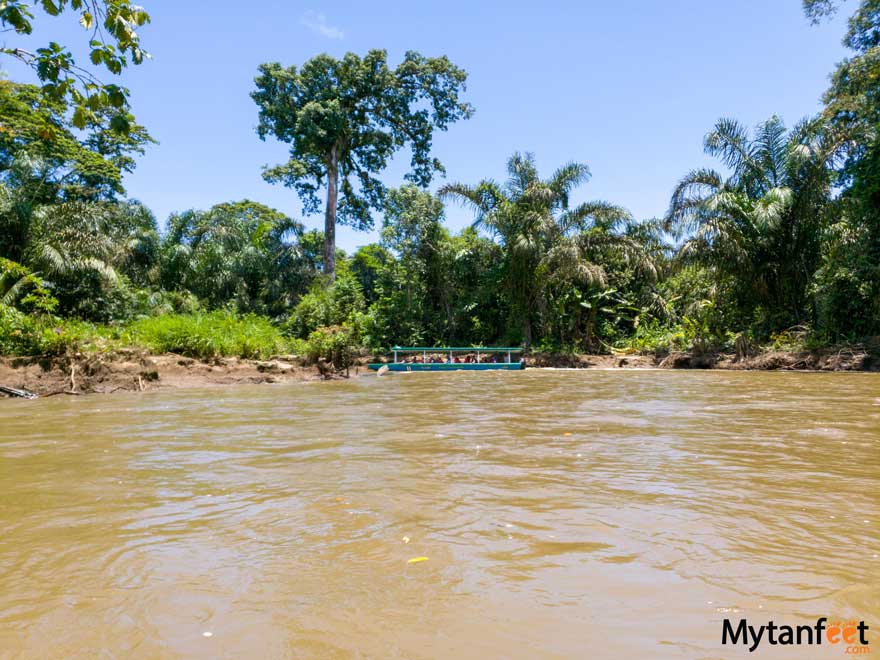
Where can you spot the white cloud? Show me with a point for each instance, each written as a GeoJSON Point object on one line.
{"type": "Point", "coordinates": [317, 23]}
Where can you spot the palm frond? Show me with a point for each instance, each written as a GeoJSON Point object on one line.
{"type": "Point", "coordinates": [567, 178]}
{"type": "Point", "coordinates": [769, 152]}
{"type": "Point", "coordinates": [483, 198]}
{"type": "Point", "coordinates": [729, 141]}
{"type": "Point", "coordinates": [522, 172]}
{"type": "Point", "coordinates": [688, 200]}
{"type": "Point", "coordinates": [596, 213]}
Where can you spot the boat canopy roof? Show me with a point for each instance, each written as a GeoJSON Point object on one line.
{"type": "Point", "coordinates": [464, 349]}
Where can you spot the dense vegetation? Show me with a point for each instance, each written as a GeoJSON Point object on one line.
{"type": "Point", "coordinates": [780, 244]}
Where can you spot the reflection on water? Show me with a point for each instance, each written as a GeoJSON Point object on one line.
{"type": "Point", "coordinates": [563, 514]}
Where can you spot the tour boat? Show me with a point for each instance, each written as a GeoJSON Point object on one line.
{"type": "Point", "coordinates": [478, 359]}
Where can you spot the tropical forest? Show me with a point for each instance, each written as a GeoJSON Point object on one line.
{"type": "Point", "coordinates": [775, 247]}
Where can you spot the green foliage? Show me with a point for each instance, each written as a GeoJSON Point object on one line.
{"type": "Point", "coordinates": [367, 265]}
{"type": "Point", "coordinates": [57, 214]}
{"type": "Point", "coordinates": [326, 304]}
{"type": "Point", "coordinates": [87, 253]}
{"type": "Point", "coordinates": [210, 335]}
{"type": "Point", "coordinates": [781, 246]}
{"type": "Point", "coordinates": [345, 119]}
{"type": "Point", "coordinates": [114, 42]}
{"type": "Point", "coordinates": [698, 334]}
{"type": "Point", "coordinates": [21, 334]}
{"type": "Point", "coordinates": [242, 253]}
{"type": "Point", "coordinates": [847, 286]}
{"type": "Point", "coordinates": [40, 151]}
{"type": "Point", "coordinates": [25, 334]}
{"type": "Point", "coordinates": [548, 246]}
{"type": "Point", "coordinates": [334, 344]}
{"type": "Point", "coordinates": [793, 339]}
{"type": "Point", "coordinates": [20, 288]}
{"type": "Point", "coordinates": [760, 227]}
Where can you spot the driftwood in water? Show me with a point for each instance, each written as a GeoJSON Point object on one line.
{"type": "Point", "coordinates": [12, 391]}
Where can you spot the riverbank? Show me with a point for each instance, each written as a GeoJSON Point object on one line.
{"type": "Point", "coordinates": [139, 371]}
{"type": "Point", "coordinates": [850, 357]}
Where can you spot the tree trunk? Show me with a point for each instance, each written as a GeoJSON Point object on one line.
{"type": "Point", "coordinates": [527, 332]}
{"type": "Point", "coordinates": [330, 214]}
{"type": "Point", "coordinates": [591, 322]}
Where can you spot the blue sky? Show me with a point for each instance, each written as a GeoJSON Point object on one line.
{"type": "Point", "coordinates": [628, 87]}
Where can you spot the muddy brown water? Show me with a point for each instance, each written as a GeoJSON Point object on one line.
{"type": "Point", "coordinates": [562, 514]}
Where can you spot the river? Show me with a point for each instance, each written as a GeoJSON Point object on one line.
{"type": "Point", "coordinates": [561, 514]}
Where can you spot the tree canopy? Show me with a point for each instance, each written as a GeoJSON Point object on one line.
{"type": "Point", "coordinates": [849, 282]}
{"type": "Point", "coordinates": [541, 233]}
{"type": "Point", "coordinates": [114, 42]}
{"type": "Point", "coordinates": [778, 245]}
{"type": "Point", "coordinates": [346, 118]}
{"type": "Point", "coordinates": [761, 225]}
{"type": "Point", "coordinates": [36, 141]}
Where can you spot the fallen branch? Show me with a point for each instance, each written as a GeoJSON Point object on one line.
{"type": "Point", "coordinates": [57, 392]}
{"type": "Point", "coordinates": [13, 391]}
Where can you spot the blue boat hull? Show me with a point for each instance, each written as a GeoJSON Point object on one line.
{"type": "Point", "coordinates": [463, 366]}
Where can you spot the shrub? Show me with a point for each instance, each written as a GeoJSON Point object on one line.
{"type": "Point", "coordinates": [335, 344]}
{"type": "Point", "coordinates": [41, 334]}
{"type": "Point", "coordinates": [19, 287]}
{"type": "Point", "coordinates": [324, 305]}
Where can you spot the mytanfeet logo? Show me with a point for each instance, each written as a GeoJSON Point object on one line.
{"type": "Point", "coordinates": [851, 635]}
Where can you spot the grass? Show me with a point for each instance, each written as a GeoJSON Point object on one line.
{"type": "Point", "coordinates": [204, 336]}
{"type": "Point", "coordinates": [209, 335]}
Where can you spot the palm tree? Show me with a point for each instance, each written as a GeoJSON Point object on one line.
{"type": "Point", "coordinates": [761, 225]}
{"type": "Point", "coordinates": [540, 232]}
{"type": "Point", "coordinates": [81, 250]}
{"type": "Point", "coordinates": [241, 252]}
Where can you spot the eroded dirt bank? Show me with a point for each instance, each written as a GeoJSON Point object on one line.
{"type": "Point", "coordinates": [139, 371]}
{"type": "Point", "coordinates": [847, 358]}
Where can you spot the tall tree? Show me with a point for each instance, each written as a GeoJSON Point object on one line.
{"type": "Point", "coordinates": [849, 282]}
{"type": "Point", "coordinates": [345, 119]}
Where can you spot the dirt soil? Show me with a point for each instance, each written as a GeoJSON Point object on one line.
{"type": "Point", "coordinates": [138, 371]}
{"type": "Point", "coordinates": [838, 358]}
{"type": "Point", "coordinates": [584, 361]}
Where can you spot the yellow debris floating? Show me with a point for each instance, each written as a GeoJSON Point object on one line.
{"type": "Point", "coordinates": [416, 560]}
